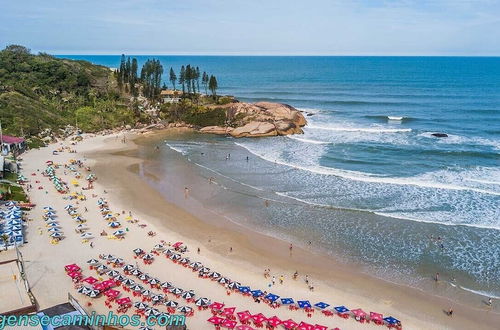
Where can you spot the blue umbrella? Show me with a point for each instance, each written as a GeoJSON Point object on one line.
{"type": "Point", "coordinates": [391, 320]}
{"type": "Point", "coordinates": [244, 289]}
{"type": "Point", "coordinates": [257, 293]}
{"type": "Point", "coordinates": [304, 304]}
{"type": "Point", "coordinates": [287, 301]}
{"type": "Point", "coordinates": [341, 309]}
{"type": "Point", "coordinates": [271, 297]}
{"type": "Point", "coordinates": [321, 305]}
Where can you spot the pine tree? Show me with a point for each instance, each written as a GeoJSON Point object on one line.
{"type": "Point", "coordinates": [197, 77]}
{"type": "Point", "coordinates": [173, 77]}
{"type": "Point", "coordinates": [212, 85]}
{"type": "Point", "coordinates": [204, 82]}
{"type": "Point", "coordinates": [182, 78]}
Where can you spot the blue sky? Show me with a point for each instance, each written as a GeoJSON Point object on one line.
{"type": "Point", "coordinates": [260, 27]}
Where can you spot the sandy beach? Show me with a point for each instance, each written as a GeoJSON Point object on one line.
{"type": "Point", "coordinates": [236, 252]}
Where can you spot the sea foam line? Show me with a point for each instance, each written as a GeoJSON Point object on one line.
{"type": "Point", "coordinates": [361, 129]}
{"type": "Point", "coordinates": [363, 177]}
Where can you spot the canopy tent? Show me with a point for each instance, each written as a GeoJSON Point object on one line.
{"type": "Point", "coordinates": [289, 324]}
{"type": "Point", "coordinates": [271, 297]}
{"type": "Point", "coordinates": [215, 320]}
{"type": "Point", "coordinates": [287, 301]}
{"type": "Point", "coordinates": [321, 305]}
{"type": "Point", "coordinates": [259, 318]}
{"type": "Point", "coordinates": [304, 304]}
{"type": "Point", "coordinates": [244, 289]}
{"type": "Point", "coordinates": [341, 309]}
{"type": "Point", "coordinates": [274, 321]}
{"type": "Point", "coordinates": [257, 293]}
{"type": "Point", "coordinates": [244, 316]}
{"type": "Point", "coordinates": [230, 324]}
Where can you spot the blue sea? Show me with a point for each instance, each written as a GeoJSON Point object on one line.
{"type": "Point", "coordinates": [367, 181]}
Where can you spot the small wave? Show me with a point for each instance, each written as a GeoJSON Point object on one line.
{"type": "Point", "coordinates": [479, 292]}
{"type": "Point", "coordinates": [307, 140]}
{"type": "Point", "coordinates": [395, 118]}
{"type": "Point", "coordinates": [457, 139]}
{"type": "Point", "coordinates": [183, 152]}
{"type": "Point", "coordinates": [362, 129]}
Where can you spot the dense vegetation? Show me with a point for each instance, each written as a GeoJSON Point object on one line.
{"type": "Point", "coordinates": [41, 91]}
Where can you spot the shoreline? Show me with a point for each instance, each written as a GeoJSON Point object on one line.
{"type": "Point", "coordinates": [351, 280]}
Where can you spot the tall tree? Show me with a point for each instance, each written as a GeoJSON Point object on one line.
{"type": "Point", "coordinates": [182, 78]}
{"type": "Point", "coordinates": [197, 77]}
{"type": "Point", "coordinates": [173, 77]}
{"type": "Point", "coordinates": [212, 85]}
{"type": "Point", "coordinates": [204, 82]}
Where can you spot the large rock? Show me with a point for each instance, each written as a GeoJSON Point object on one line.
{"type": "Point", "coordinates": [217, 130]}
{"type": "Point", "coordinates": [255, 129]}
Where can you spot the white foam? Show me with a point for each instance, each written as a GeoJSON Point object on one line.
{"type": "Point", "coordinates": [362, 129]}
{"type": "Point", "coordinates": [183, 152]}
{"type": "Point", "coordinates": [395, 118]}
{"type": "Point", "coordinates": [457, 139]}
{"type": "Point", "coordinates": [293, 137]}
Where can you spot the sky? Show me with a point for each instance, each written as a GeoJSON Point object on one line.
{"type": "Point", "coordinates": [254, 27]}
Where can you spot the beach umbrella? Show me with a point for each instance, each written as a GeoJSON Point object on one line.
{"type": "Point", "coordinates": [223, 280]}
{"type": "Point", "coordinates": [53, 230]}
{"type": "Point", "coordinates": [184, 309]}
{"type": "Point", "coordinates": [244, 289]}
{"type": "Point", "coordinates": [171, 303]}
{"type": "Point", "coordinates": [93, 293]}
{"type": "Point", "coordinates": [119, 233]}
{"type": "Point", "coordinates": [56, 235]}
{"type": "Point", "coordinates": [376, 316]}
{"type": "Point", "coordinates": [391, 320]}
{"type": "Point", "coordinates": [305, 326]}
{"type": "Point", "coordinates": [151, 311]}
{"type": "Point", "coordinates": [81, 227]}
{"type": "Point", "coordinates": [138, 251]}
{"type": "Point", "coordinates": [341, 309]}
{"type": "Point", "coordinates": [202, 302]}
{"type": "Point", "coordinates": [93, 262]}
{"type": "Point", "coordinates": [234, 285]}
{"type": "Point", "coordinates": [320, 327]}
{"type": "Point", "coordinates": [146, 292]}
{"type": "Point", "coordinates": [304, 304]}
{"type": "Point", "coordinates": [176, 291]}
{"type": "Point", "coordinates": [274, 321]}
{"type": "Point", "coordinates": [321, 305]}
{"type": "Point", "coordinates": [166, 285]}
{"type": "Point", "coordinates": [145, 328]}
{"type": "Point", "coordinates": [128, 267]}
{"type": "Point", "coordinates": [124, 301]}
{"type": "Point", "coordinates": [216, 306]}
{"type": "Point", "coordinates": [175, 256]}
{"type": "Point", "coordinates": [68, 207]}
{"type": "Point", "coordinates": [83, 290]}
{"type": "Point", "coordinates": [128, 282]}
{"type": "Point", "coordinates": [120, 278]}
{"type": "Point", "coordinates": [359, 312]}
{"type": "Point", "coordinates": [195, 265]}
{"type": "Point", "coordinates": [48, 208]}
{"type": "Point", "coordinates": [257, 293]}
{"type": "Point", "coordinates": [102, 268]}
{"type": "Point", "coordinates": [157, 297]}
{"type": "Point", "coordinates": [271, 297]}
{"type": "Point", "coordinates": [112, 273]}
{"type": "Point", "coordinates": [259, 318]}
{"type": "Point", "coordinates": [86, 235]}
{"type": "Point", "coordinates": [90, 280]}
{"type": "Point", "coordinates": [136, 272]}
{"type": "Point", "coordinates": [148, 256]}
{"type": "Point", "coordinates": [143, 277]}
{"type": "Point", "coordinates": [214, 275]}
{"type": "Point", "coordinates": [287, 301]}
{"type": "Point", "coordinates": [108, 256]}
{"type": "Point", "coordinates": [244, 316]}
{"type": "Point", "coordinates": [188, 294]}
{"type": "Point", "coordinates": [153, 281]}
{"type": "Point", "coordinates": [136, 288]}
{"type": "Point", "coordinates": [108, 216]}
{"type": "Point", "coordinates": [168, 252]}
{"type": "Point", "coordinates": [140, 305]}
{"type": "Point", "coordinates": [184, 261]}
{"type": "Point", "coordinates": [111, 293]}
{"type": "Point", "coordinates": [204, 270]}
{"type": "Point", "coordinates": [230, 324]}
{"type": "Point", "coordinates": [53, 225]}
{"type": "Point", "coordinates": [159, 247]}
{"type": "Point", "coordinates": [244, 327]}
{"type": "Point", "coordinates": [118, 261]}
{"type": "Point", "coordinates": [215, 320]}
{"type": "Point", "coordinates": [114, 224]}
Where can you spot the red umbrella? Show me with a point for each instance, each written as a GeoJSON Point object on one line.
{"type": "Point", "coordinates": [320, 327]}
{"type": "Point", "coordinates": [90, 280]}
{"type": "Point", "coordinates": [112, 293]}
{"type": "Point", "coordinates": [124, 301]}
{"type": "Point", "coordinates": [305, 326]}
{"type": "Point", "coordinates": [216, 306]}
{"type": "Point", "coordinates": [230, 324]}
{"type": "Point", "coordinates": [244, 327]}
{"type": "Point", "coordinates": [244, 316]}
{"type": "Point", "coordinates": [176, 245]}
{"type": "Point", "coordinates": [72, 268]}
{"type": "Point", "coordinates": [215, 320]}
{"type": "Point", "coordinates": [376, 316]}
{"type": "Point", "coordinates": [74, 274]}
{"type": "Point", "coordinates": [228, 311]}
{"type": "Point", "coordinates": [109, 283]}
{"type": "Point", "coordinates": [99, 286]}
{"type": "Point", "coordinates": [358, 312]}
{"type": "Point", "coordinates": [259, 318]}
{"type": "Point", "coordinates": [289, 324]}
{"type": "Point", "coordinates": [274, 321]}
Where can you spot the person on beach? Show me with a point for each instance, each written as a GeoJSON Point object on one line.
{"type": "Point", "coordinates": [186, 192]}
{"type": "Point", "coordinates": [295, 275]}
{"type": "Point", "coordinates": [230, 249]}
{"type": "Point", "coordinates": [290, 248]}
{"type": "Point", "coordinates": [273, 280]}
{"type": "Point", "coordinates": [490, 301]}
{"type": "Point", "coordinates": [307, 279]}
{"type": "Point", "coordinates": [436, 278]}
{"type": "Point", "coordinates": [450, 312]}
{"type": "Point", "coordinates": [198, 250]}
{"type": "Point", "coordinates": [247, 158]}
{"type": "Point", "coordinates": [282, 278]}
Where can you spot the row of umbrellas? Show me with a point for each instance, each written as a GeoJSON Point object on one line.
{"type": "Point", "coordinates": [11, 224]}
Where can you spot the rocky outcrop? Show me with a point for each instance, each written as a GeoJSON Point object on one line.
{"type": "Point", "coordinates": [260, 119]}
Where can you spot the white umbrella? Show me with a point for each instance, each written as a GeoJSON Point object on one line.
{"type": "Point", "coordinates": [86, 235]}
{"type": "Point", "coordinates": [68, 207]}
{"type": "Point", "coordinates": [119, 233]}
{"type": "Point", "coordinates": [171, 303]}
{"type": "Point", "coordinates": [93, 262]}
{"type": "Point", "coordinates": [56, 235]}
{"type": "Point", "coordinates": [54, 229]}
{"type": "Point", "coordinates": [114, 224]}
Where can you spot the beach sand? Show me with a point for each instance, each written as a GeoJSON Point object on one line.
{"type": "Point", "coordinates": [117, 168]}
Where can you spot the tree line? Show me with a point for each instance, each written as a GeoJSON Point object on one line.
{"type": "Point", "coordinates": [189, 79]}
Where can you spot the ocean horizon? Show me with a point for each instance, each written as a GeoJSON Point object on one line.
{"type": "Point", "coordinates": [368, 180]}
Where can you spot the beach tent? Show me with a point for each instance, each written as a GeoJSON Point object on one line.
{"type": "Point", "coordinates": [341, 309]}
{"type": "Point", "coordinates": [289, 324]}
{"type": "Point", "coordinates": [304, 304]}
{"type": "Point", "coordinates": [321, 305]}
{"type": "Point", "coordinates": [287, 301]}
{"type": "Point", "coordinates": [257, 293]}
{"type": "Point", "coordinates": [244, 289]}
{"type": "Point", "coordinates": [274, 321]}
{"type": "Point", "coordinates": [271, 297]}
{"type": "Point", "coordinates": [244, 316]}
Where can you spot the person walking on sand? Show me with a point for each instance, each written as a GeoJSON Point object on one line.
{"type": "Point", "coordinates": [307, 279]}
{"type": "Point", "coordinates": [273, 280]}
{"type": "Point", "coordinates": [436, 278]}
{"type": "Point", "coordinates": [186, 192]}
{"type": "Point", "coordinates": [291, 248]}
{"type": "Point", "coordinates": [490, 301]}
{"type": "Point", "coordinates": [450, 312]}
{"type": "Point", "coordinates": [282, 278]}
{"type": "Point", "coordinates": [198, 250]}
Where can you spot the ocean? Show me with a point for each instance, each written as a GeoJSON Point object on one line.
{"type": "Point", "coordinates": [367, 182]}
